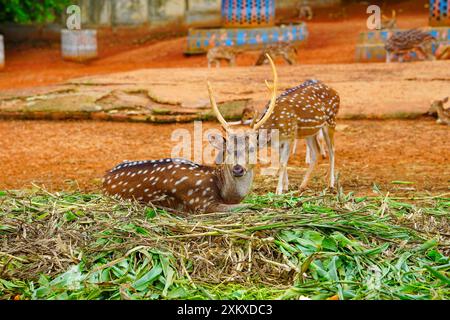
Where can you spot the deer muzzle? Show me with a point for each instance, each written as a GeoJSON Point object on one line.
{"type": "Point", "coordinates": [238, 170]}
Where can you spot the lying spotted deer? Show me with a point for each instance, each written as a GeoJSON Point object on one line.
{"type": "Point", "coordinates": [186, 186]}
{"type": "Point", "coordinates": [299, 112]}
{"type": "Point", "coordinates": [443, 115]}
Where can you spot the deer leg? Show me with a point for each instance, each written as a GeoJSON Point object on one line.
{"type": "Point", "coordinates": [308, 155]}
{"type": "Point", "coordinates": [312, 144]}
{"type": "Point", "coordinates": [282, 172]}
{"type": "Point", "coordinates": [427, 53]}
{"type": "Point", "coordinates": [329, 140]}
{"type": "Point", "coordinates": [320, 143]}
{"type": "Point", "coordinates": [319, 140]}
{"type": "Point", "coordinates": [294, 148]}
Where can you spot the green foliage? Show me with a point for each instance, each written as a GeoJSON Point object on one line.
{"type": "Point", "coordinates": [286, 247]}
{"type": "Point", "coordinates": [27, 11]}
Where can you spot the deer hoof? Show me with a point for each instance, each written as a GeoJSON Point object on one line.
{"type": "Point", "coordinates": [332, 189]}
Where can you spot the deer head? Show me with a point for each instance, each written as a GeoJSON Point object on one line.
{"type": "Point", "coordinates": [437, 104]}
{"type": "Point", "coordinates": [238, 151]}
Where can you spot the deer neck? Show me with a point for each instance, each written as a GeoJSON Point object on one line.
{"type": "Point", "coordinates": [233, 189]}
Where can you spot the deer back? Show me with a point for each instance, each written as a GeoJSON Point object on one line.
{"type": "Point", "coordinates": [304, 109]}
{"type": "Point", "coordinates": [174, 183]}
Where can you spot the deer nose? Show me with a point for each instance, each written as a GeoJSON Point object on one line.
{"type": "Point", "coordinates": [238, 170]}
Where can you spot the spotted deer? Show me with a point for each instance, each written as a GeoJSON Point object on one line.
{"type": "Point", "coordinates": [186, 186]}
{"type": "Point", "coordinates": [301, 112]}
{"type": "Point", "coordinates": [443, 115]}
{"type": "Point", "coordinates": [402, 43]}
{"type": "Point", "coordinates": [285, 50]}
{"type": "Point", "coordinates": [217, 54]}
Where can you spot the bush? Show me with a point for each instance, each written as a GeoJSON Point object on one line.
{"type": "Point", "coordinates": [27, 11]}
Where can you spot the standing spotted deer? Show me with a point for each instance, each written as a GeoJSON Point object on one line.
{"type": "Point", "coordinates": [402, 43]}
{"type": "Point", "coordinates": [217, 54]}
{"type": "Point", "coordinates": [186, 186]}
{"type": "Point", "coordinates": [305, 111]}
{"type": "Point", "coordinates": [300, 112]}
{"type": "Point", "coordinates": [285, 50]}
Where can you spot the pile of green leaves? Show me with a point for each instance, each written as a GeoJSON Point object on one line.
{"type": "Point", "coordinates": [76, 246]}
{"type": "Point", "coordinates": [27, 11]}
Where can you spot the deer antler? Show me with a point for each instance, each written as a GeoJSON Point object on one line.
{"type": "Point", "coordinates": [272, 87]}
{"type": "Point", "coordinates": [273, 99]}
{"type": "Point", "coordinates": [219, 116]}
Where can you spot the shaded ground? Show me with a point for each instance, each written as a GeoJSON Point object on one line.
{"type": "Point", "coordinates": [330, 41]}
{"type": "Point", "coordinates": [64, 155]}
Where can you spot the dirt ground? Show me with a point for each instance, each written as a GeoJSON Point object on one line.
{"type": "Point", "coordinates": [70, 155]}
{"type": "Point", "coordinates": [331, 40]}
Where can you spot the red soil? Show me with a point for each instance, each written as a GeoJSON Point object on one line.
{"type": "Point", "coordinates": [330, 41]}
{"type": "Point", "coordinates": [65, 155]}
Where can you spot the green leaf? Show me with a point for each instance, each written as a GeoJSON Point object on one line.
{"type": "Point", "coordinates": [147, 279]}
{"type": "Point", "coordinates": [70, 216]}
{"type": "Point", "coordinates": [438, 275]}
{"type": "Point", "coordinates": [427, 245]}
{"type": "Point", "coordinates": [401, 182]}
{"type": "Point", "coordinates": [169, 280]}
{"type": "Point", "coordinates": [150, 213]}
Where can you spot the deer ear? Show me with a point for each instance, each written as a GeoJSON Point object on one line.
{"type": "Point", "coordinates": [217, 141]}
{"type": "Point", "coordinates": [445, 100]}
